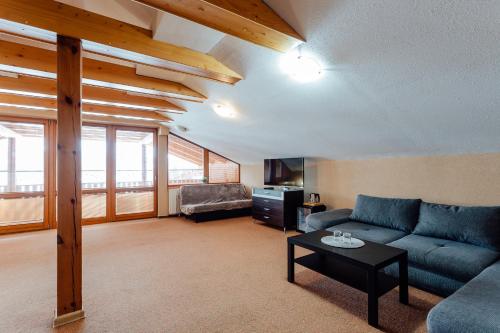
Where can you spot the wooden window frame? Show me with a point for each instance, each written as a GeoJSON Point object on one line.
{"type": "Point", "coordinates": [143, 215]}
{"type": "Point", "coordinates": [230, 160]}
{"type": "Point", "coordinates": [45, 224]}
{"type": "Point", "coordinates": [50, 193]}
{"type": "Point", "coordinates": [205, 164]}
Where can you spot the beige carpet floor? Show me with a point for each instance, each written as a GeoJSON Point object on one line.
{"type": "Point", "coordinates": [172, 275]}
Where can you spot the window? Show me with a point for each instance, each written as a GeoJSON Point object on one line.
{"type": "Point", "coordinates": [94, 193]}
{"type": "Point", "coordinates": [22, 172]}
{"type": "Point", "coordinates": [135, 191]}
{"type": "Point", "coordinates": [185, 162]}
{"type": "Point", "coordinates": [222, 170]}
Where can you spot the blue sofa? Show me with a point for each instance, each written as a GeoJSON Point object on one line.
{"type": "Point", "coordinates": [452, 251]}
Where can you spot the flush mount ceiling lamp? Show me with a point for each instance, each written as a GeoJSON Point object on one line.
{"type": "Point", "coordinates": [301, 68]}
{"type": "Point", "coordinates": [224, 110]}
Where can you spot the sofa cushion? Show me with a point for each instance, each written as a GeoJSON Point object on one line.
{"type": "Point", "coordinates": [426, 280]}
{"type": "Point", "coordinates": [211, 207]}
{"type": "Point", "coordinates": [474, 225]}
{"type": "Point", "coordinates": [369, 232]}
{"type": "Point", "coordinates": [457, 260]}
{"type": "Point", "coordinates": [326, 219]}
{"type": "Point", "coordinates": [473, 309]}
{"type": "Point", "coordinates": [400, 214]}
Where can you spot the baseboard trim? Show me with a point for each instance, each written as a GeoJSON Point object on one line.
{"type": "Point", "coordinates": [68, 318]}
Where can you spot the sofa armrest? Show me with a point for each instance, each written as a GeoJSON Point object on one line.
{"type": "Point", "coordinates": [327, 219]}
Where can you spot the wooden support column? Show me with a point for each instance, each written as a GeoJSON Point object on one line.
{"type": "Point", "coordinates": [206, 166]}
{"type": "Point", "coordinates": [69, 206]}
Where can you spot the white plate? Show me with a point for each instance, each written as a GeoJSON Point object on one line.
{"type": "Point", "coordinates": [355, 243]}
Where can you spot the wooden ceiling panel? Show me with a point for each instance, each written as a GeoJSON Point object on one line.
{"type": "Point", "coordinates": [78, 23]}
{"type": "Point", "coordinates": [19, 55]}
{"type": "Point", "coordinates": [250, 20]}
{"type": "Point", "coordinates": [13, 101]}
{"type": "Point", "coordinates": [46, 86]}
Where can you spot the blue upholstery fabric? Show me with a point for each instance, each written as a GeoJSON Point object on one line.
{"type": "Point", "coordinates": [326, 219]}
{"type": "Point", "coordinates": [455, 260]}
{"type": "Point", "coordinates": [474, 225]}
{"type": "Point", "coordinates": [369, 232]}
{"type": "Point", "coordinates": [427, 280]}
{"type": "Point", "coordinates": [400, 214]}
{"type": "Point", "coordinates": [475, 308]}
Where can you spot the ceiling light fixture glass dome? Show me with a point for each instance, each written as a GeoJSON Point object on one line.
{"type": "Point", "coordinates": [301, 68]}
{"type": "Point", "coordinates": [224, 111]}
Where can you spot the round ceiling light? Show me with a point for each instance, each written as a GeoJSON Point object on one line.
{"type": "Point", "coordinates": [301, 68]}
{"type": "Point", "coordinates": [224, 111]}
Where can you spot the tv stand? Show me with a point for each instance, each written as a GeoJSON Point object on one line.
{"type": "Point", "coordinates": [277, 207]}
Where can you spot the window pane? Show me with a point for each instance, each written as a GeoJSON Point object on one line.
{"type": "Point", "coordinates": [22, 156]}
{"type": "Point", "coordinates": [21, 210]}
{"type": "Point", "coordinates": [134, 159]}
{"type": "Point", "coordinates": [22, 161]}
{"type": "Point", "coordinates": [222, 170]}
{"type": "Point", "coordinates": [93, 157]}
{"type": "Point", "coordinates": [185, 162]}
{"type": "Point", "coordinates": [134, 202]}
{"type": "Point", "coordinates": [93, 205]}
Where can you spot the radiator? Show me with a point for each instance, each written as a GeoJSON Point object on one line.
{"type": "Point", "coordinates": [173, 204]}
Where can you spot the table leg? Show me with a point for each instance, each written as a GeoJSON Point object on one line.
{"type": "Point", "coordinates": [291, 263]}
{"type": "Point", "coordinates": [403, 279]}
{"type": "Point", "coordinates": [372, 297]}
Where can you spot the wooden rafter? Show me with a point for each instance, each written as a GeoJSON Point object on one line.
{"type": "Point", "coordinates": [24, 56]}
{"type": "Point", "coordinates": [51, 104]}
{"type": "Point", "coordinates": [250, 20]}
{"type": "Point", "coordinates": [75, 22]}
{"type": "Point", "coordinates": [45, 86]}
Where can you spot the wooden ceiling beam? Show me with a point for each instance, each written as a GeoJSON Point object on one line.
{"type": "Point", "coordinates": [250, 20]}
{"type": "Point", "coordinates": [36, 85]}
{"type": "Point", "coordinates": [51, 104]}
{"type": "Point", "coordinates": [20, 55]}
{"type": "Point", "coordinates": [78, 23]}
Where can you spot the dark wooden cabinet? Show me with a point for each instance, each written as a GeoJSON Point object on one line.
{"type": "Point", "coordinates": [277, 207]}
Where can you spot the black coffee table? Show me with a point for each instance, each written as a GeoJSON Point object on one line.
{"type": "Point", "coordinates": [358, 268]}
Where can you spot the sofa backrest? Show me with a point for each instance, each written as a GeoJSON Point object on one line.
{"type": "Point", "coordinates": [474, 225]}
{"type": "Point", "coordinates": [209, 193]}
{"type": "Point", "coordinates": [400, 214]}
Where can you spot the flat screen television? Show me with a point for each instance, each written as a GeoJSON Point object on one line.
{"type": "Point", "coordinates": [284, 172]}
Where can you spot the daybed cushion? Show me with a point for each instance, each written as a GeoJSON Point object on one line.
{"type": "Point", "coordinates": [456, 260]}
{"type": "Point", "coordinates": [211, 193]}
{"type": "Point", "coordinates": [369, 232]}
{"type": "Point", "coordinates": [472, 309]}
{"type": "Point", "coordinates": [210, 207]}
{"type": "Point", "coordinates": [473, 225]}
{"type": "Point", "coordinates": [400, 214]}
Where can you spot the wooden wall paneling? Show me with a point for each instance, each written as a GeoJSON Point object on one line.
{"type": "Point", "coordinates": [69, 207]}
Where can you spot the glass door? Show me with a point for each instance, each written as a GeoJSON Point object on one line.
{"type": "Point", "coordinates": [23, 174]}
{"type": "Point", "coordinates": [94, 174]}
{"type": "Point", "coordinates": [135, 173]}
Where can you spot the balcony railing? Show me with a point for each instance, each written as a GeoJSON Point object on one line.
{"type": "Point", "coordinates": [185, 176]}
{"type": "Point", "coordinates": [93, 179]}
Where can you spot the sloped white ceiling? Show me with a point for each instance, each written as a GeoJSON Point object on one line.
{"type": "Point", "coordinates": [403, 78]}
